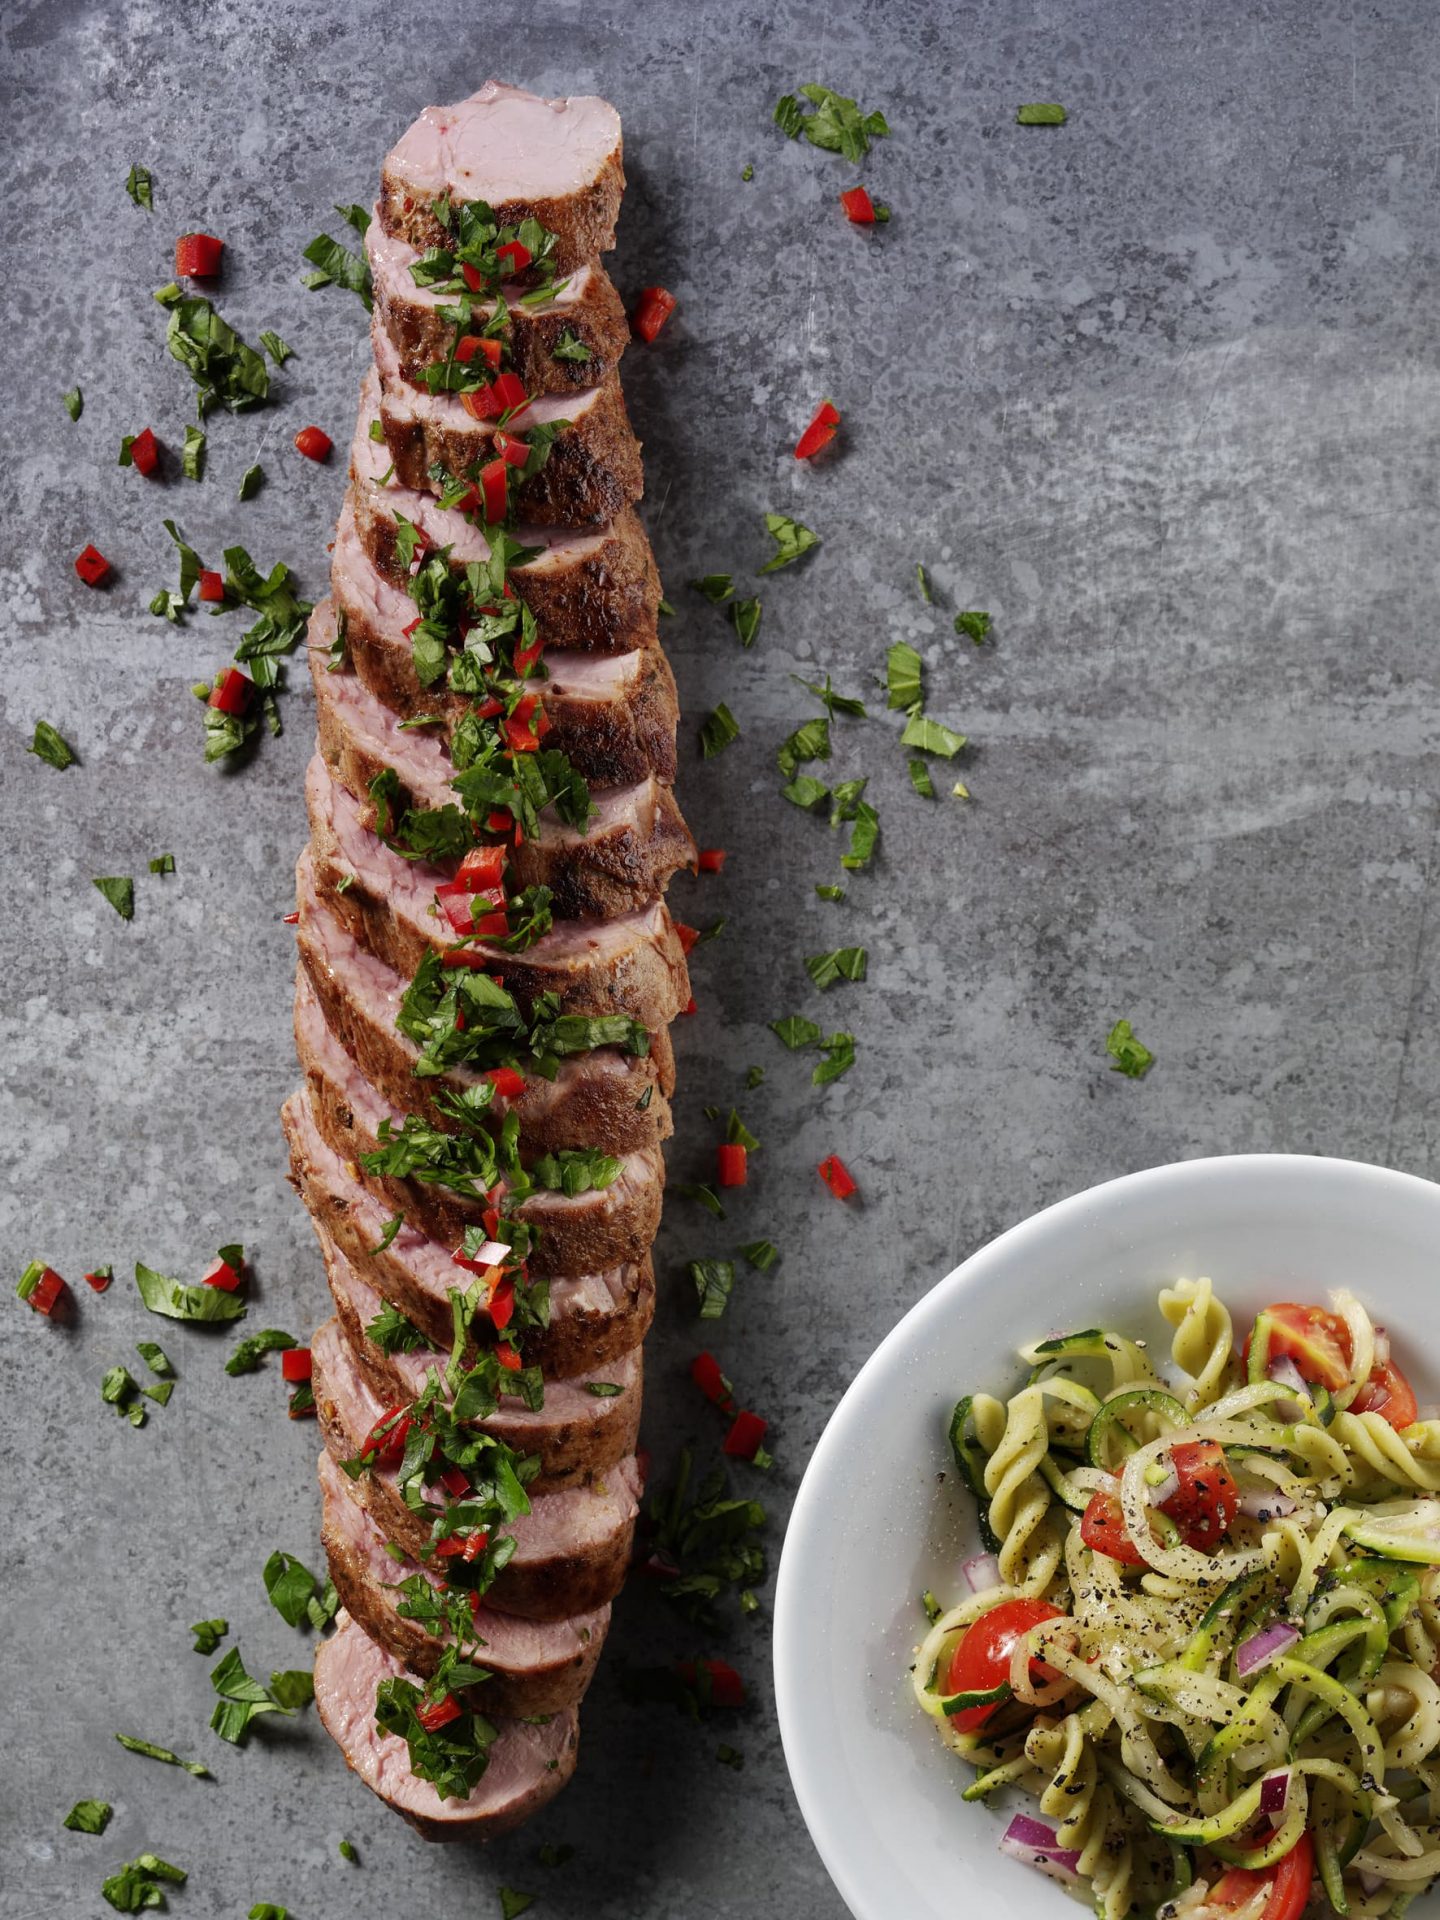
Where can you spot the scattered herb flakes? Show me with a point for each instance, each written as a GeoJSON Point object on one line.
{"type": "Point", "coordinates": [89, 1816]}
{"type": "Point", "coordinates": [208, 1634]}
{"type": "Point", "coordinates": [251, 481]}
{"type": "Point", "coordinates": [761, 1254]}
{"type": "Point", "coordinates": [795, 1031]}
{"type": "Point", "coordinates": [903, 688]}
{"type": "Point", "coordinates": [603, 1389]}
{"type": "Point", "coordinates": [717, 730]}
{"type": "Point", "coordinates": [834, 124]}
{"type": "Point", "coordinates": [52, 747]}
{"type": "Point", "coordinates": [387, 1237]}
{"type": "Point", "coordinates": [73, 402]}
{"type": "Point", "coordinates": [707, 1197]}
{"type": "Point", "coordinates": [348, 1852]}
{"type": "Point", "coordinates": [137, 1885]}
{"type": "Point", "coordinates": [747, 172]}
{"type": "Point", "coordinates": [805, 791]}
{"type": "Point", "coordinates": [713, 1541]}
{"type": "Point", "coordinates": [929, 736]}
{"type": "Point", "coordinates": [297, 1595]}
{"type": "Point", "coordinates": [713, 1281]}
{"type": "Point", "coordinates": [244, 1700]}
{"type": "Point", "coordinates": [791, 541]}
{"type": "Point", "coordinates": [931, 1606]}
{"type": "Point", "coordinates": [922, 580]}
{"type": "Point", "coordinates": [974, 625]}
{"type": "Point", "coordinates": [745, 618]}
{"type": "Point", "coordinates": [839, 1051]}
{"type": "Point", "coordinates": [920, 779]}
{"type": "Point", "coordinates": [248, 1354]}
{"type": "Point", "coordinates": [159, 1394]}
{"type": "Point", "coordinates": [139, 184]}
{"type": "Point", "coordinates": [863, 838]}
{"type": "Point", "coordinates": [1131, 1056]}
{"type": "Point", "coordinates": [176, 1301]}
{"type": "Point", "coordinates": [730, 1757]}
{"type": "Point", "coordinates": [960, 790]}
{"type": "Point", "coordinates": [513, 1903]}
{"type": "Point", "coordinates": [226, 370]}
{"type": "Point", "coordinates": [843, 963]}
{"type": "Point", "coordinates": [275, 347]}
{"type": "Point", "coordinates": [570, 347]}
{"type": "Point", "coordinates": [163, 863]}
{"type": "Point", "coordinates": [810, 741]}
{"type": "Point", "coordinates": [118, 1387]}
{"type": "Point", "coordinates": [832, 701]}
{"type": "Point", "coordinates": [1041, 113]}
{"type": "Point", "coordinates": [665, 610]}
{"type": "Point", "coordinates": [119, 890]}
{"type": "Point", "coordinates": [336, 265]}
{"type": "Point", "coordinates": [824, 892]}
{"type": "Point", "coordinates": [150, 1751]}
{"type": "Point", "coordinates": [717, 588]}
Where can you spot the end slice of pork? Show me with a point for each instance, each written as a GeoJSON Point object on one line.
{"type": "Point", "coordinates": [528, 1764]}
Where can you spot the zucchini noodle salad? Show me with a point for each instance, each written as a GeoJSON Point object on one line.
{"type": "Point", "coordinates": [1205, 1628]}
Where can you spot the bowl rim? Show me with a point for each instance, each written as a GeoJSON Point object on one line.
{"type": "Point", "coordinates": [790, 1613]}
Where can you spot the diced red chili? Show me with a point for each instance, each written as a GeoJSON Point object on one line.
{"type": "Point", "coordinates": [859, 207]}
{"type": "Point", "coordinates": [100, 1279]}
{"type": "Point", "coordinates": [145, 452]}
{"type": "Point", "coordinates": [439, 1714]}
{"type": "Point", "coordinates": [466, 957]}
{"type": "Point", "coordinates": [527, 726]}
{"type": "Point", "coordinates": [502, 1307]}
{"type": "Point", "coordinates": [513, 451]}
{"type": "Point", "coordinates": [231, 692]}
{"type": "Point", "coordinates": [482, 867]}
{"type": "Point", "coordinates": [710, 859]}
{"type": "Point", "coordinates": [295, 1363]}
{"type": "Point", "coordinates": [494, 493]}
{"type": "Point", "coordinates": [42, 1287]}
{"type": "Point", "coordinates": [451, 1547]}
{"type": "Point", "coordinates": [471, 276]}
{"type": "Point", "coordinates": [291, 919]}
{"type": "Point", "coordinates": [475, 1544]}
{"type": "Point", "coordinates": [686, 935]}
{"type": "Point", "coordinates": [212, 586]}
{"type": "Point", "coordinates": [690, 1006]}
{"type": "Point", "coordinates": [508, 1358]}
{"type": "Point", "coordinates": [455, 899]}
{"type": "Point", "coordinates": [730, 1164]}
{"type": "Point", "coordinates": [223, 1276]}
{"type": "Point", "coordinates": [509, 390]}
{"type": "Point", "coordinates": [652, 310]}
{"type": "Point", "coordinates": [745, 1437]}
{"type": "Point", "coordinates": [385, 1444]}
{"type": "Point", "coordinates": [454, 1482]}
{"type": "Point", "coordinates": [705, 1372]}
{"type": "Point", "coordinates": [726, 1688]}
{"type": "Point", "coordinates": [499, 821]}
{"type": "Point", "coordinates": [836, 1176]}
{"type": "Point", "coordinates": [516, 256]}
{"type": "Point", "coordinates": [197, 255]}
{"type": "Point", "coordinates": [485, 345]}
{"type": "Point", "coordinates": [819, 433]}
{"type": "Point", "coordinates": [524, 658]}
{"type": "Point", "coordinates": [92, 566]}
{"type": "Point", "coordinates": [480, 403]}
{"type": "Point", "coordinates": [314, 443]}
{"type": "Point", "coordinates": [507, 1082]}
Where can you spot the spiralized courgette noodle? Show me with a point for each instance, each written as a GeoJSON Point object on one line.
{"type": "Point", "coordinates": [1219, 1705]}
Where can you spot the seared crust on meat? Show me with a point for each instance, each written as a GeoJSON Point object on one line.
{"type": "Point", "coordinates": [583, 222]}
{"type": "Point", "coordinates": [593, 472]}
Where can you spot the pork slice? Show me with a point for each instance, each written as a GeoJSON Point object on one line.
{"type": "Point", "coordinates": [613, 715]}
{"type": "Point", "coordinates": [595, 1317]}
{"type": "Point", "coordinates": [535, 1666]}
{"type": "Point", "coordinates": [571, 1549]}
{"type": "Point", "coordinates": [528, 1764]}
{"type": "Point", "coordinates": [596, 589]}
{"type": "Point", "coordinates": [635, 839]}
{"type": "Point", "coordinates": [577, 1433]}
{"type": "Point", "coordinates": [593, 471]}
{"type": "Point", "coordinates": [560, 162]}
{"type": "Point", "coordinates": [606, 1098]}
{"type": "Point", "coordinates": [586, 307]}
{"type": "Point", "coordinates": [633, 964]}
{"type": "Point", "coordinates": [578, 1233]}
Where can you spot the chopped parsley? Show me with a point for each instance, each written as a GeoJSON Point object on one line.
{"type": "Point", "coordinates": [843, 963]}
{"type": "Point", "coordinates": [192, 459]}
{"type": "Point", "coordinates": [761, 1254]}
{"type": "Point", "coordinates": [929, 736]}
{"type": "Point", "coordinates": [155, 1358]}
{"type": "Point", "coordinates": [795, 1031]}
{"type": "Point", "coordinates": [745, 618]}
{"type": "Point", "coordinates": [922, 580]}
{"type": "Point", "coordinates": [251, 481]}
{"type": "Point", "coordinates": [839, 1051]}
{"type": "Point", "coordinates": [1131, 1056]}
{"type": "Point", "coordinates": [1041, 113]}
{"type": "Point", "coordinates": [298, 1595]}
{"type": "Point", "coordinates": [603, 1389]}
{"type": "Point", "coordinates": [387, 1237]}
{"type": "Point", "coordinates": [73, 402]}
{"type": "Point", "coordinates": [834, 123]}
{"type": "Point", "coordinates": [176, 1301]}
{"type": "Point", "coordinates": [513, 1903]}
{"type": "Point", "coordinates": [805, 792]}
{"type": "Point", "coordinates": [810, 741]}
{"type": "Point", "coordinates": [139, 185]}
{"type": "Point", "coordinates": [707, 1197]}
{"type": "Point", "coordinates": [754, 1076]}
{"type": "Point", "coordinates": [712, 1539]}
{"type": "Point", "coordinates": [51, 747]}
{"type": "Point", "coordinates": [244, 1700]}
{"type": "Point", "coordinates": [713, 1281]}
{"type": "Point", "coordinates": [278, 351]}
{"type": "Point", "coordinates": [248, 1354]}
{"type": "Point", "coordinates": [336, 265]}
{"type": "Point", "coordinates": [150, 1751]}
{"type": "Point", "coordinates": [138, 1884]}
{"type": "Point", "coordinates": [729, 1756]}
{"type": "Point", "coordinates": [119, 890]}
{"type": "Point", "coordinates": [903, 677]}
{"type": "Point", "coordinates": [163, 863]}
{"type": "Point", "coordinates": [973, 624]}
{"type": "Point", "coordinates": [347, 1852]}
{"type": "Point", "coordinates": [829, 892]}
{"type": "Point", "coordinates": [920, 779]}
{"type": "Point", "coordinates": [570, 347]}
{"type": "Point", "coordinates": [717, 730]}
{"type": "Point", "coordinates": [717, 588]}
{"type": "Point", "coordinates": [555, 1854]}
{"type": "Point", "coordinates": [832, 701]}
{"type": "Point", "coordinates": [227, 372]}
{"type": "Point", "coordinates": [393, 1332]}
{"type": "Point", "coordinates": [791, 541]}
{"type": "Point", "coordinates": [208, 1634]}
{"type": "Point", "coordinates": [89, 1816]}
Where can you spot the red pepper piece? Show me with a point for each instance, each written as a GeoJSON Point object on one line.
{"type": "Point", "coordinates": [92, 566]}
{"type": "Point", "coordinates": [42, 1287]}
{"type": "Point", "coordinates": [726, 1688]}
{"type": "Point", "coordinates": [819, 433]}
{"type": "Point", "coordinates": [470, 344]}
{"type": "Point", "coordinates": [524, 658]}
{"type": "Point", "coordinates": [231, 692]}
{"type": "Point", "coordinates": [652, 310]}
{"type": "Point", "coordinates": [480, 403]}
{"type": "Point", "coordinates": [836, 1176]}
{"type": "Point", "coordinates": [455, 957]}
{"type": "Point", "coordinates": [314, 443]}
{"type": "Point", "coordinates": [222, 1275]}
{"type": "Point", "coordinates": [198, 254]}
{"type": "Point", "coordinates": [502, 1309]}
{"type": "Point", "coordinates": [457, 903]}
{"type": "Point", "coordinates": [515, 255]}
{"type": "Point", "coordinates": [508, 1358]}
{"type": "Point", "coordinates": [687, 936]}
{"type": "Point", "coordinates": [509, 391]}
{"type": "Point", "coordinates": [859, 207]}
{"type": "Point", "coordinates": [705, 1372]}
{"type": "Point", "coordinates": [690, 1006]}
{"type": "Point", "coordinates": [212, 586]}
{"type": "Point", "coordinates": [470, 275]}
{"type": "Point", "coordinates": [385, 1444]}
{"type": "Point", "coordinates": [710, 859]}
{"type": "Point", "coordinates": [745, 1437]}
{"type": "Point", "coordinates": [527, 726]}
{"type": "Point", "coordinates": [482, 867]}
{"type": "Point", "coordinates": [454, 1482]}
{"type": "Point", "coordinates": [494, 492]}
{"type": "Point", "coordinates": [499, 821]}
{"type": "Point", "coordinates": [514, 452]}
{"type": "Point", "coordinates": [295, 1363]}
{"type": "Point", "coordinates": [730, 1164]}
{"type": "Point", "coordinates": [100, 1280]}
{"type": "Point", "coordinates": [475, 1545]}
{"type": "Point", "coordinates": [145, 452]}
{"type": "Point", "coordinates": [507, 1082]}
{"type": "Point", "coordinates": [439, 1714]}
{"type": "Point", "coordinates": [451, 1547]}
{"type": "Point", "coordinates": [492, 926]}
{"type": "Point", "coordinates": [291, 919]}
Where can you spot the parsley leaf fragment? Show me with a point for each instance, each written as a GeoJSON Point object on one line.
{"type": "Point", "coordinates": [336, 265]}
{"type": "Point", "coordinates": [208, 1634]}
{"type": "Point", "coordinates": [829, 893]}
{"type": "Point", "coordinates": [251, 481]}
{"type": "Point", "coordinates": [717, 588]}
{"type": "Point", "coordinates": [136, 1886]}
{"type": "Point", "coordinates": [298, 1595]}
{"type": "Point", "coordinates": [707, 1197]}
{"type": "Point", "coordinates": [89, 1816]}
{"type": "Point", "coordinates": [73, 402]}
{"type": "Point", "coordinates": [570, 347]}
{"type": "Point", "coordinates": [796, 1031]}
{"type": "Point", "coordinates": [244, 1700]}
{"type": "Point", "coordinates": [920, 779]}
{"type": "Point", "coordinates": [713, 1281]}
{"type": "Point", "coordinates": [226, 370]}
{"type": "Point", "coordinates": [745, 618]}
{"type": "Point", "coordinates": [1131, 1056]}
{"type": "Point", "coordinates": [902, 677]}
{"type": "Point", "coordinates": [247, 1355]}
{"type": "Point", "coordinates": [835, 124]}
{"type": "Point", "coordinates": [119, 890]}
{"type": "Point", "coordinates": [275, 346]}
{"type": "Point", "coordinates": [791, 541]}
{"type": "Point", "coordinates": [929, 736]}
{"type": "Point", "coordinates": [174, 1300]}
{"type": "Point", "coordinates": [513, 1903]}
{"type": "Point", "coordinates": [843, 963]}
{"type": "Point", "coordinates": [974, 624]}
{"type": "Point", "coordinates": [1041, 113]}
{"type": "Point", "coordinates": [717, 730]}
{"type": "Point", "coordinates": [151, 1752]}
{"type": "Point", "coordinates": [140, 187]}
{"type": "Point", "coordinates": [192, 459]}
{"type": "Point", "coordinates": [51, 747]}
{"type": "Point", "coordinates": [761, 1254]}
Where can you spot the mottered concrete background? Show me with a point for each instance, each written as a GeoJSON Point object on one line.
{"type": "Point", "coordinates": [1158, 390]}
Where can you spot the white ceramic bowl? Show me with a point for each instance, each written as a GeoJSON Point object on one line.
{"type": "Point", "coordinates": [876, 1523]}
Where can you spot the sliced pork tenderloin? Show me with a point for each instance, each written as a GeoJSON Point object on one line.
{"type": "Point", "coordinates": [586, 308]}
{"type": "Point", "coordinates": [529, 1764]}
{"type": "Point", "coordinates": [560, 162]}
{"type": "Point", "coordinates": [613, 715]}
{"type": "Point", "coordinates": [535, 1666]}
{"type": "Point", "coordinates": [576, 1434]}
{"type": "Point", "coordinates": [595, 590]}
{"type": "Point", "coordinates": [571, 1549]}
{"type": "Point", "coordinates": [633, 965]}
{"type": "Point", "coordinates": [594, 1317]}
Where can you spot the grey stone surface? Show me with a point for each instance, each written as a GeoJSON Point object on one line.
{"type": "Point", "coordinates": [1158, 390]}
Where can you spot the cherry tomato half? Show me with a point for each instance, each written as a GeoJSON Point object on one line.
{"type": "Point", "coordinates": [1388, 1393]}
{"type": "Point", "coordinates": [1289, 1882]}
{"type": "Point", "coordinates": [982, 1659]}
{"type": "Point", "coordinates": [1102, 1528]}
{"type": "Point", "coordinates": [1319, 1344]}
{"type": "Point", "coordinates": [1207, 1499]}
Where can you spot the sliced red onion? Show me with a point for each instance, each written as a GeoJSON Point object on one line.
{"type": "Point", "coordinates": [982, 1572]}
{"type": "Point", "coordinates": [1262, 1503]}
{"type": "Point", "coordinates": [1263, 1647]}
{"type": "Point", "coordinates": [1035, 1843]}
{"type": "Point", "coordinates": [1274, 1788]}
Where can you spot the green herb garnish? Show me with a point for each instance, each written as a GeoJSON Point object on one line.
{"type": "Point", "coordinates": [336, 265]}
{"type": "Point", "coordinates": [717, 730]}
{"type": "Point", "coordinates": [89, 1816]}
{"type": "Point", "coordinates": [275, 347]}
{"type": "Point", "coordinates": [713, 1281]}
{"type": "Point", "coordinates": [791, 541]}
{"type": "Point", "coordinates": [176, 1301]}
{"type": "Point", "coordinates": [1041, 113]}
{"type": "Point", "coordinates": [150, 1751]}
{"type": "Point", "coordinates": [119, 890]}
{"type": "Point", "coordinates": [248, 1354]}
{"type": "Point", "coordinates": [251, 481]}
{"type": "Point", "coordinates": [73, 402]}
{"type": "Point", "coordinates": [1131, 1056]}
{"type": "Point", "coordinates": [843, 963]}
{"type": "Point", "coordinates": [834, 124]}
{"type": "Point", "coordinates": [139, 185]}
{"type": "Point", "coordinates": [973, 624]}
{"type": "Point", "coordinates": [745, 618]}
{"type": "Point", "coordinates": [208, 1634]}
{"type": "Point", "coordinates": [51, 747]}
